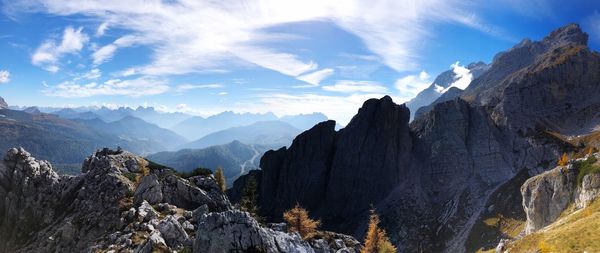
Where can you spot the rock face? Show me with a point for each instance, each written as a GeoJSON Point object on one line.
{"type": "Point", "coordinates": [547, 195]}
{"type": "Point", "coordinates": [122, 203]}
{"type": "Point", "coordinates": [236, 231]}
{"type": "Point", "coordinates": [3, 104]}
{"type": "Point", "coordinates": [430, 180]}
{"type": "Point", "coordinates": [321, 168]}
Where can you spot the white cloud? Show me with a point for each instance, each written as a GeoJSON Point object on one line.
{"type": "Point", "coordinates": [409, 86]}
{"type": "Point", "coordinates": [101, 29]}
{"type": "Point", "coordinates": [463, 76]}
{"type": "Point", "coordinates": [92, 74]}
{"type": "Point", "coordinates": [188, 87]}
{"type": "Point", "coordinates": [222, 93]}
{"type": "Point", "coordinates": [104, 54]}
{"type": "Point", "coordinates": [316, 77]}
{"type": "Point", "coordinates": [349, 86]}
{"type": "Point", "coordinates": [49, 53]}
{"type": "Point", "coordinates": [4, 76]}
{"type": "Point", "coordinates": [197, 36]}
{"type": "Point", "coordinates": [143, 86]}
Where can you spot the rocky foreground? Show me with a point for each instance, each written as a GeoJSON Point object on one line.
{"type": "Point", "coordinates": [123, 203]}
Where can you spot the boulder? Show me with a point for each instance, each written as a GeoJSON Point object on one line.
{"type": "Point", "coordinates": [237, 231]}
{"type": "Point", "coordinates": [149, 190]}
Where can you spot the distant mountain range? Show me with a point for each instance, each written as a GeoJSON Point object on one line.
{"type": "Point", "coordinates": [235, 158]}
{"type": "Point", "coordinates": [198, 127]}
{"type": "Point", "coordinates": [269, 133]}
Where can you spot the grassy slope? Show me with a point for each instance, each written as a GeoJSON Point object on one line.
{"type": "Point", "coordinates": [575, 232]}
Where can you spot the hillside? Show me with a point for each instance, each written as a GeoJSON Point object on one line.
{"type": "Point", "coordinates": [66, 142]}
{"type": "Point", "coordinates": [235, 158]}
{"type": "Point", "coordinates": [267, 133]}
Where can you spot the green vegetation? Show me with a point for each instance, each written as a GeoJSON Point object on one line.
{"type": "Point", "coordinates": [586, 167]}
{"type": "Point", "coordinates": [195, 172]}
{"type": "Point", "coordinates": [131, 176]}
{"type": "Point", "coordinates": [155, 166]}
{"type": "Point", "coordinates": [249, 200]}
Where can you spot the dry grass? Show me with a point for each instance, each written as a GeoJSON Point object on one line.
{"type": "Point", "coordinates": [576, 232]}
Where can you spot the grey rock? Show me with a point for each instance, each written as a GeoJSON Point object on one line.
{"type": "Point", "coordinates": [3, 104]}
{"type": "Point", "coordinates": [149, 189]}
{"type": "Point", "coordinates": [173, 233]}
{"type": "Point", "coordinates": [545, 196]}
{"type": "Point", "coordinates": [146, 212]}
{"type": "Point", "coordinates": [589, 190]}
{"type": "Point", "coordinates": [233, 230]}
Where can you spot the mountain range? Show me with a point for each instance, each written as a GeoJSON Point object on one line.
{"type": "Point", "coordinates": [439, 176]}
{"type": "Point", "coordinates": [235, 158]}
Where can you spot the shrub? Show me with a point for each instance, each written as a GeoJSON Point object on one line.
{"type": "Point", "coordinates": [298, 221]}
{"type": "Point", "coordinates": [249, 200]}
{"type": "Point", "coordinates": [196, 172]}
{"type": "Point", "coordinates": [220, 177]}
{"type": "Point", "coordinates": [155, 166]}
{"type": "Point", "coordinates": [376, 240]}
{"type": "Point", "coordinates": [564, 160]}
{"type": "Point", "coordinates": [586, 167]}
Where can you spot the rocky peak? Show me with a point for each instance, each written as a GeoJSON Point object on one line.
{"type": "Point", "coordinates": [3, 104]}
{"type": "Point", "coordinates": [569, 34]}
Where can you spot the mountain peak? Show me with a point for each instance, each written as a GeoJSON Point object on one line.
{"type": "Point", "coordinates": [3, 104]}
{"type": "Point", "coordinates": [570, 33]}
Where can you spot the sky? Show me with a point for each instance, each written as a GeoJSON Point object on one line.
{"type": "Point", "coordinates": [288, 57]}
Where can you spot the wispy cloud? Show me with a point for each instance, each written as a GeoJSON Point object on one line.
{"type": "Point", "coordinates": [409, 86]}
{"type": "Point", "coordinates": [139, 87]}
{"type": "Point", "coordinates": [316, 77]}
{"type": "Point", "coordinates": [187, 87]}
{"type": "Point", "coordinates": [49, 53]}
{"type": "Point", "coordinates": [350, 86]}
{"type": "Point", "coordinates": [101, 29]}
{"type": "Point", "coordinates": [196, 36]}
{"type": "Point", "coordinates": [4, 76]}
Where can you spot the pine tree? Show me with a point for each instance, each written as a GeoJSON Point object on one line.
{"type": "Point", "coordinates": [564, 160]}
{"type": "Point", "coordinates": [249, 200]}
{"type": "Point", "coordinates": [298, 221]}
{"type": "Point", "coordinates": [376, 240]}
{"type": "Point", "coordinates": [220, 177]}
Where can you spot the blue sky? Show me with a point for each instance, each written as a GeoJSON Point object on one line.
{"type": "Point", "coordinates": [288, 57]}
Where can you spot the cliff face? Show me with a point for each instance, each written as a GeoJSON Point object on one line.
{"type": "Point", "coordinates": [333, 173]}
{"type": "Point", "coordinates": [430, 180]}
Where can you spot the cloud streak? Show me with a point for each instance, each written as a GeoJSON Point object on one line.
{"type": "Point", "coordinates": [199, 36]}
{"type": "Point", "coordinates": [49, 53]}
{"type": "Point", "coordinates": [144, 86]}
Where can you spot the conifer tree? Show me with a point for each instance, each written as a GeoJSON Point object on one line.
{"type": "Point", "coordinates": [220, 177]}
{"type": "Point", "coordinates": [298, 221]}
{"type": "Point", "coordinates": [249, 200]}
{"type": "Point", "coordinates": [376, 240]}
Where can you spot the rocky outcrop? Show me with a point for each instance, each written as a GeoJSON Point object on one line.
{"type": "Point", "coordinates": [332, 173]}
{"type": "Point", "coordinates": [237, 231]}
{"type": "Point", "coordinates": [123, 203]}
{"type": "Point", "coordinates": [3, 104]}
{"type": "Point", "coordinates": [547, 196]}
